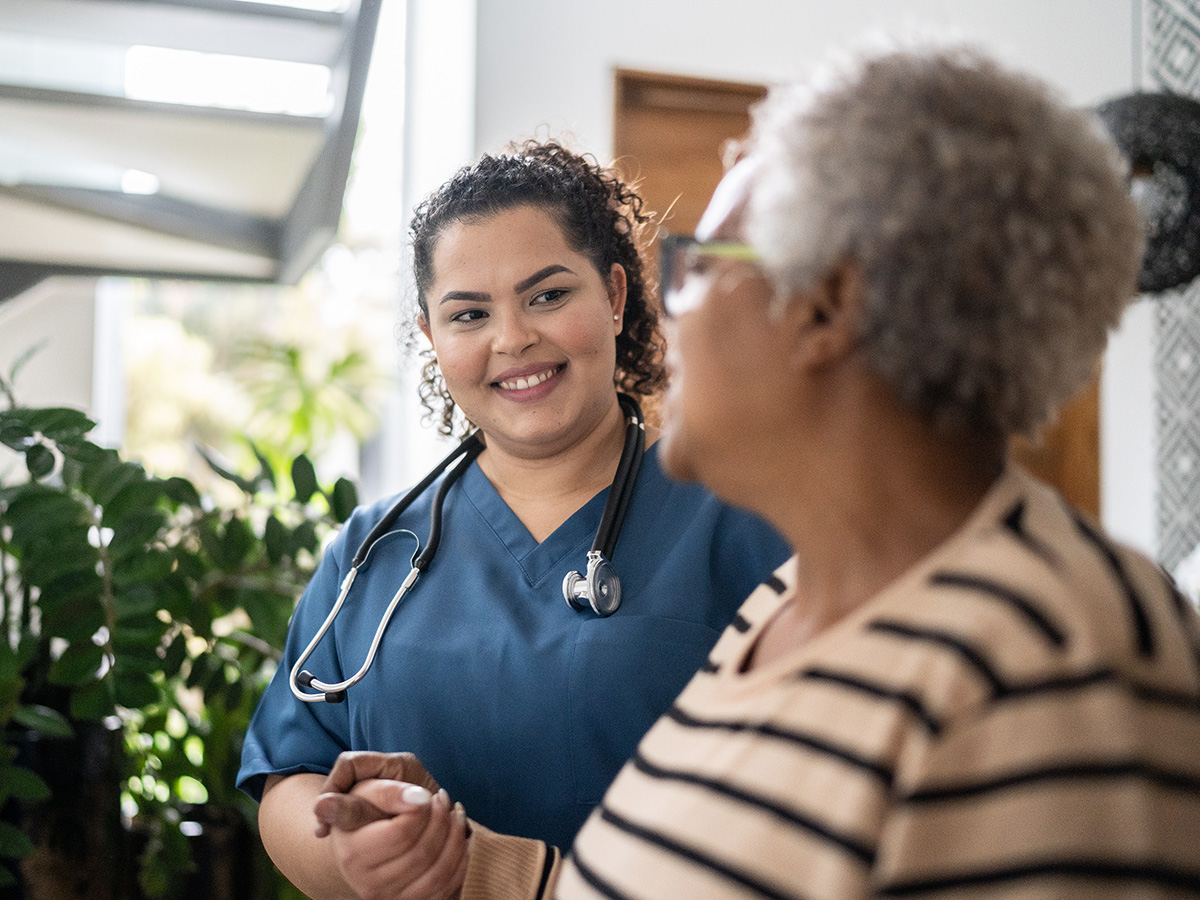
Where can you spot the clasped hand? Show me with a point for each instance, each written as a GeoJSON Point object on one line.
{"type": "Point", "coordinates": [396, 835]}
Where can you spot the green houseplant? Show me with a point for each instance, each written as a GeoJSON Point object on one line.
{"type": "Point", "coordinates": [141, 622]}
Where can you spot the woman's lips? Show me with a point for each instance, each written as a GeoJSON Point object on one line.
{"type": "Point", "coordinates": [530, 380]}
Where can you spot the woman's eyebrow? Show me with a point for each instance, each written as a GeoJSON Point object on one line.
{"type": "Point", "coordinates": [526, 283]}
{"type": "Point", "coordinates": [469, 296]}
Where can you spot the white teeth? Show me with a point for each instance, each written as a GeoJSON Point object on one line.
{"type": "Point", "coordinates": [522, 383]}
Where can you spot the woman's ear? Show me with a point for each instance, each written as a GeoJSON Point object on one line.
{"type": "Point", "coordinates": [828, 317]}
{"type": "Point", "coordinates": [617, 288]}
{"type": "Point", "coordinates": [423, 324]}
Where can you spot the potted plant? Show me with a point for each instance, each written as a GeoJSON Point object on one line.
{"type": "Point", "coordinates": [141, 622]}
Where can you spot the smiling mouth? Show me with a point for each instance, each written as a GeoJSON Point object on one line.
{"type": "Point", "coordinates": [521, 384]}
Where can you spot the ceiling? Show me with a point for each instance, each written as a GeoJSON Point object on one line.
{"type": "Point", "coordinates": [204, 139]}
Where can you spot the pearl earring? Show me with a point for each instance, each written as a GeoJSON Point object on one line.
{"type": "Point", "coordinates": [615, 318]}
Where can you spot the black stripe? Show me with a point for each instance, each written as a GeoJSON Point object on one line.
{"type": "Point", "coordinates": [588, 874]}
{"type": "Point", "coordinates": [1186, 615]}
{"type": "Point", "coordinates": [944, 639]}
{"type": "Point", "coordinates": [740, 624]}
{"type": "Point", "coordinates": [1083, 681]}
{"type": "Point", "coordinates": [859, 850]}
{"type": "Point", "coordinates": [1061, 772]}
{"type": "Point", "coordinates": [1102, 870]}
{"type": "Point", "coordinates": [879, 770]}
{"type": "Point", "coordinates": [1022, 604]}
{"type": "Point", "coordinates": [775, 584]}
{"type": "Point", "coordinates": [547, 868]}
{"type": "Point", "coordinates": [1014, 521]}
{"type": "Point", "coordinates": [1137, 609]}
{"type": "Point", "coordinates": [905, 699]}
{"type": "Point", "coordinates": [701, 859]}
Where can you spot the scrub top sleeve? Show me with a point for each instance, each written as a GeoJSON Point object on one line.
{"type": "Point", "coordinates": [746, 552]}
{"type": "Point", "coordinates": [286, 735]}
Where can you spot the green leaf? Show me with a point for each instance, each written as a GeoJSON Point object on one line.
{"type": "Point", "coordinates": [79, 664]}
{"type": "Point", "coordinates": [14, 432]}
{"type": "Point", "coordinates": [244, 483]}
{"type": "Point", "coordinates": [148, 567]}
{"type": "Point", "coordinates": [60, 424]}
{"type": "Point", "coordinates": [39, 460]}
{"type": "Point", "coordinates": [73, 621]}
{"type": "Point", "coordinates": [28, 354]}
{"type": "Point", "coordinates": [304, 478]}
{"type": "Point", "coordinates": [134, 532]}
{"type": "Point", "coordinates": [93, 702]}
{"type": "Point", "coordinates": [23, 784]}
{"type": "Point", "coordinates": [13, 842]}
{"type": "Point", "coordinates": [343, 499]}
{"type": "Point", "coordinates": [304, 537]}
{"type": "Point", "coordinates": [266, 472]}
{"type": "Point", "coordinates": [134, 690]}
{"type": "Point", "coordinates": [43, 720]}
{"type": "Point", "coordinates": [182, 491]}
{"type": "Point", "coordinates": [174, 658]}
{"type": "Point", "coordinates": [236, 543]}
{"type": "Point", "coordinates": [275, 536]}
{"type": "Point", "coordinates": [139, 496]}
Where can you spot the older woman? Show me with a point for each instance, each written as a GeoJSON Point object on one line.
{"type": "Point", "coordinates": [958, 684]}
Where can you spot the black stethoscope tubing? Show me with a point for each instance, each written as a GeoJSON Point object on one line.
{"type": "Point", "coordinates": [599, 589]}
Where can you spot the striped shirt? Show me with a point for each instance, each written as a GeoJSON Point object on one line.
{"type": "Point", "coordinates": [1016, 716]}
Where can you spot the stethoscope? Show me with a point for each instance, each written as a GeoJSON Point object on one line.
{"type": "Point", "coordinates": [599, 588]}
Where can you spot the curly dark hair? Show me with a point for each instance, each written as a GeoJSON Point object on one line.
{"type": "Point", "coordinates": [601, 217]}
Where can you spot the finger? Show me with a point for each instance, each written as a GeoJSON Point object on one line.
{"type": "Point", "coordinates": [375, 860]}
{"type": "Point", "coordinates": [448, 870]}
{"type": "Point", "coordinates": [353, 766]}
{"type": "Point", "coordinates": [344, 812]}
{"type": "Point", "coordinates": [372, 800]}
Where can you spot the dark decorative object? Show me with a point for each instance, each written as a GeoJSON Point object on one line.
{"type": "Point", "coordinates": [1159, 133]}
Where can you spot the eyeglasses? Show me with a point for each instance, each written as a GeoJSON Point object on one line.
{"type": "Point", "coordinates": [682, 257]}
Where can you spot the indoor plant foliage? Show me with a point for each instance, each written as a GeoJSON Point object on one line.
{"type": "Point", "coordinates": [141, 620]}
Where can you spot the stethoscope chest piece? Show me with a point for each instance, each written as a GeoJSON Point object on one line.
{"type": "Point", "coordinates": [600, 588]}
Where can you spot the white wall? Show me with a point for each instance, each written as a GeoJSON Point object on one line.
{"type": "Point", "coordinates": [550, 62]}
{"type": "Point", "coordinates": [547, 65]}
{"type": "Point", "coordinates": [56, 316]}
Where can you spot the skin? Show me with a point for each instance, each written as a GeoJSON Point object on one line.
{"type": "Point", "coordinates": [510, 299]}
{"type": "Point", "coordinates": [524, 328]}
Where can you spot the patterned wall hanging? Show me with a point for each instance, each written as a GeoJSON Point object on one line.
{"type": "Point", "coordinates": [1171, 62]}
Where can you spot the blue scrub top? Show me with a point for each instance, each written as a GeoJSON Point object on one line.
{"type": "Point", "coordinates": [522, 708]}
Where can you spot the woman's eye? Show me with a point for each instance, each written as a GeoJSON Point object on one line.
{"type": "Point", "coordinates": [468, 315]}
{"type": "Point", "coordinates": [549, 297]}
{"type": "Point", "coordinates": [697, 263]}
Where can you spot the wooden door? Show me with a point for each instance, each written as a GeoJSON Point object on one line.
{"type": "Point", "coordinates": [670, 135]}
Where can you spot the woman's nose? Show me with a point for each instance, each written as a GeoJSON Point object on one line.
{"type": "Point", "coordinates": [515, 333]}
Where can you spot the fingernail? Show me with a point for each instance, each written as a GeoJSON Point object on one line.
{"type": "Point", "coordinates": [416, 795]}
{"type": "Point", "coordinates": [443, 799]}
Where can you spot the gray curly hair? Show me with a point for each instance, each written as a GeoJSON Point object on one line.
{"type": "Point", "coordinates": [993, 225]}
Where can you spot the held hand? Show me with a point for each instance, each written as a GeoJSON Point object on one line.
{"type": "Point", "coordinates": [396, 841]}
{"type": "Point", "coordinates": [354, 766]}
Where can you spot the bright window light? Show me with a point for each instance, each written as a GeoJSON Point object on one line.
{"type": "Point", "coordinates": [323, 5]}
{"type": "Point", "coordinates": [135, 181]}
{"type": "Point", "coordinates": [231, 82]}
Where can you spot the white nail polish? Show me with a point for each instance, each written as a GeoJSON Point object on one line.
{"type": "Point", "coordinates": [416, 795]}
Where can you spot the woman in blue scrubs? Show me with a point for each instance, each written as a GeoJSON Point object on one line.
{"type": "Point", "coordinates": [532, 295]}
